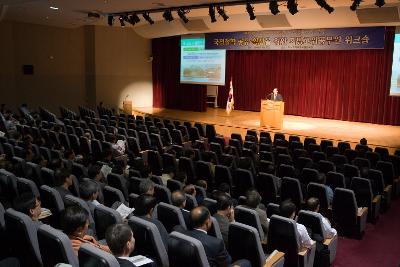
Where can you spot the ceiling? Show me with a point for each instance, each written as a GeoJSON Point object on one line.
{"type": "Point", "coordinates": [73, 14]}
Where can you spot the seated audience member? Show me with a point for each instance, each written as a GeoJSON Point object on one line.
{"type": "Point", "coordinates": [313, 205]}
{"type": "Point", "coordinates": [146, 187]}
{"type": "Point", "coordinates": [95, 173]}
{"type": "Point", "coordinates": [253, 200]}
{"type": "Point", "coordinates": [178, 199]}
{"type": "Point", "coordinates": [145, 205]}
{"type": "Point", "coordinates": [89, 191]}
{"type": "Point", "coordinates": [40, 160]}
{"type": "Point", "coordinates": [121, 242]}
{"type": "Point", "coordinates": [30, 205]}
{"type": "Point", "coordinates": [75, 223]}
{"type": "Point", "coordinates": [225, 215]}
{"type": "Point", "coordinates": [63, 182]}
{"type": "Point", "coordinates": [215, 250]}
{"type": "Point", "coordinates": [191, 190]}
{"type": "Point", "coordinates": [288, 209]}
{"type": "Point", "coordinates": [226, 190]}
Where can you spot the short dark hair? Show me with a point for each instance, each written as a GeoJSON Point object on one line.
{"type": "Point", "coordinates": [286, 208]}
{"type": "Point", "coordinates": [224, 202]}
{"type": "Point", "coordinates": [178, 197]}
{"type": "Point", "coordinates": [224, 187]}
{"type": "Point", "coordinates": [61, 175]}
{"type": "Point", "coordinates": [68, 153]}
{"type": "Point", "coordinates": [87, 188]}
{"type": "Point", "coordinates": [201, 183]}
{"type": "Point", "coordinates": [93, 171]}
{"type": "Point", "coordinates": [363, 141]}
{"type": "Point", "coordinates": [180, 176]}
{"type": "Point", "coordinates": [144, 204]}
{"type": "Point", "coordinates": [72, 218]}
{"type": "Point", "coordinates": [312, 203]}
{"type": "Point", "coordinates": [25, 202]}
{"type": "Point", "coordinates": [189, 189]}
{"type": "Point", "coordinates": [199, 216]}
{"type": "Point", "coordinates": [253, 198]}
{"type": "Point", "coordinates": [117, 235]}
{"type": "Point", "coordinates": [145, 186]}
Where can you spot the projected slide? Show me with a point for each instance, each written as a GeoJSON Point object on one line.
{"type": "Point", "coordinates": [200, 66]}
{"type": "Point", "coordinates": [395, 80]}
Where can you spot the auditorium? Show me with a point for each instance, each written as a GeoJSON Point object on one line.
{"type": "Point", "coordinates": [240, 133]}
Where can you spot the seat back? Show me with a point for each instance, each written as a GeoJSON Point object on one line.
{"type": "Point", "coordinates": [387, 170]}
{"type": "Point", "coordinates": [25, 185]}
{"type": "Point", "coordinates": [184, 251]}
{"type": "Point", "coordinates": [244, 243]}
{"type": "Point", "coordinates": [243, 181]}
{"type": "Point", "coordinates": [291, 189]}
{"type": "Point", "coordinates": [90, 256]}
{"type": "Point", "coordinates": [51, 199]}
{"type": "Point", "coordinates": [71, 200]}
{"type": "Point", "coordinates": [103, 218]}
{"type": "Point", "coordinates": [23, 238]}
{"type": "Point", "coordinates": [148, 240]}
{"type": "Point", "coordinates": [223, 175]}
{"type": "Point", "coordinates": [335, 179]}
{"type": "Point", "coordinates": [282, 236]}
{"type": "Point", "coordinates": [363, 190]}
{"type": "Point", "coordinates": [313, 222]}
{"type": "Point", "coordinates": [170, 216]}
{"type": "Point", "coordinates": [249, 217]}
{"type": "Point", "coordinates": [8, 186]}
{"type": "Point", "coordinates": [162, 194]}
{"type": "Point", "coordinates": [344, 210]}
{"type": "Point", "coordinates": [174, 185]}
{"type": "Point", "coordinates": [267, 188]}
{"type": "Point", "coordinates": [186, 165]}
{"type": "Point", "coordinates": [319, 191]}
{"type": "Point", "coordinates": [118, 181]}
{"type": "Point", "coordinates": [112, 195]}
{"type": "Point", "coordinates": [55, 247]}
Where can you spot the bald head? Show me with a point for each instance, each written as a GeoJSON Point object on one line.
{"type": "Point", "coordinates": [200, 217]}
{"type": "Point", "coordinates": [178, 199]}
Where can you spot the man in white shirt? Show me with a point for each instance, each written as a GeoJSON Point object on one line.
{"type": "Point", "coordinates": [313, 205]}
{"type": "Point", "coordinates": [288, 209]}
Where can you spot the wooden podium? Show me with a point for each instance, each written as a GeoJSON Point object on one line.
{"type": "Point", "coordinates": [127, 107]}
{"type": "Point", "coordinates": [271, 113]}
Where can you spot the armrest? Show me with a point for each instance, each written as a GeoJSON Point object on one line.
{"type": "Point", "coordinates": [388, 189]}
{"type": "Point", "coordinates": [328, 241]}
{"type": "Point", "coordinates": [303, 251]}
{"type": "Point", "coordinates": [274, 259]}
{"type": "Point", "coordinates": [363, 211]}
{"type": "Point", "coordinates": [377, 199]}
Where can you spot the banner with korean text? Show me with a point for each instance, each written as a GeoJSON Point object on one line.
{"type": "Point", "coordinates": [311, 39]}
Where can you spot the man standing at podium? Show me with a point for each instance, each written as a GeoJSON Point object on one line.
{"type": "Point", "coordinates": [274, 96]}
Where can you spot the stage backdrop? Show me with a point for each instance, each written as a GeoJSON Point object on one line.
{"type": "Point", "coordinates": [344, 85]}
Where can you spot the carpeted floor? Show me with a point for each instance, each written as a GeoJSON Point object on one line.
{"type": "Point", "coordinates": [380, 246]}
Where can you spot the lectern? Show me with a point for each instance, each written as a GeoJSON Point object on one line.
{"type": "Point", "coordinates": [127, 107]}
{"type": "Point", "coordinates": [271, 113]}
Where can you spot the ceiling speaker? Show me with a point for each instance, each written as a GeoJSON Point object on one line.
{"type": "Point", "coordinates": [378, 15]}
{"type": "Point", "coordinates": [195, 25]}
{"type": "Point", "coordinates": [273, 21]}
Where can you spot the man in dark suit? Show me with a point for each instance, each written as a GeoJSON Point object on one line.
{"type": "Point", "coordinates": [121, 242]}
{"type": "Point", "coordinates": [217, 255]}
{"type": "Point", "coordinates": [275, 96]}
{"type": "Point", "coordinates": [224, 215]}
{"type": "Point", "coordinates": [178, 199]}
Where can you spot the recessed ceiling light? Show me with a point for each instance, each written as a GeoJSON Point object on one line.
{"type": "Point", "coordinates": [54, 8]}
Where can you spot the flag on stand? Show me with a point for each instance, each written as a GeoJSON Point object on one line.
{"type": "Point", "coordinates": [230, 102]}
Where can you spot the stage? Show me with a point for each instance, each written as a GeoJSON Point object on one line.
{"type": "Point", "coordinates": [240, 121]}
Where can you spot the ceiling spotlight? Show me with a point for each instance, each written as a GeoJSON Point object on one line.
{"type": "Point", "coordinates": [110, 20]}
{"type": "Point", "coordinates": [168, 15]}
{"type": "Point", "coordinates": [121, 21]}
{"type": "Point", "coordinates": [250, 10]}
{"type": "Point", "coordinates": [324, 5]}
{"type": "Point", "coordinates": [182, 14]}
{"type": "Point", "coordinates": [355, 4]}
{"type": "Point", "coordinates": [211, 12]}
{"type": "Point", "coordinates": [131, 20]}
{"type": "Point", "coordinates": [221, 12]}
{"type": "Point", "coordinates": [54, 8]}
{"type": "Point", "coordinates": [146, 16]}
{"type": "Point", "coordinates": [292, 6]}
{"type": "Point", "coordinates": [273, 6]}
{"type": "Point", "coordinates": [380, 3]}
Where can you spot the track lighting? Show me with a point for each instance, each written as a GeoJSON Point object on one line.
{"type": "Point", "coordinates": [355, 4]}
{"type": "Point", "coordinates": [211, 12]}
{"type": "Point", "coordinates": [146, 16]}
{"type": "Point", "coordinates": [221, 12]}
{"type": "Point", "coordinates": [121, 21]}
{"type": "Point", "coordinates": [182, 14]}
{"type": "Point", "coordinates": [273, 7]}
{"type": "Point", "coordinates": [292, 6]}
{"type": "Point", "coordinates": [324, 5]}
{"type": "Point", "coordinates": [167, 15]}
{"type": "Point", "coordinates": [250, 10]}
{"type": "Point", "coordinates": [110, 20]}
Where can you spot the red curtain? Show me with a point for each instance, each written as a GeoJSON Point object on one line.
{"type": "Point", "coordinates": [348, 85]}
{"type": "Point", "coordinates": [168, 92]}
{"type": "Point", "coordinates": [344, 85]}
